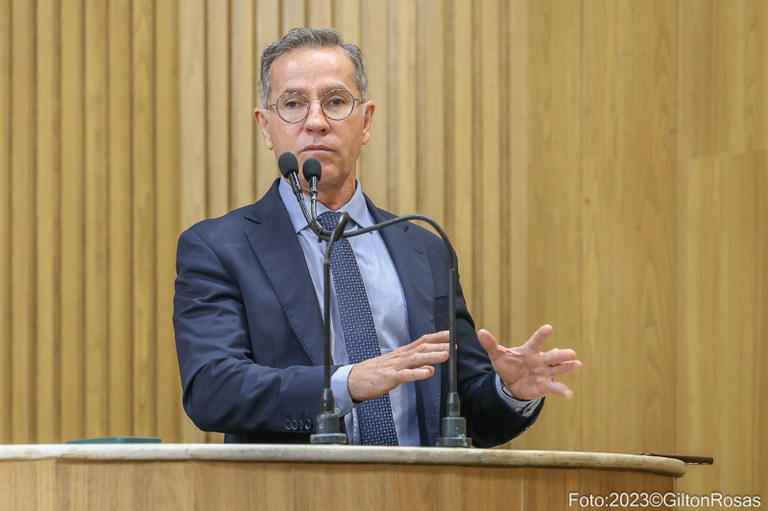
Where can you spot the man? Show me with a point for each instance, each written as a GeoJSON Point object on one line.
{"type": "Point", "coordinates": [248, 293]}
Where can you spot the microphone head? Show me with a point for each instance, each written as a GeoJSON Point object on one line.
{"type": "Point", "coordinates": [288, 164]}
{"type": "Point", "coordinates": [312, 168]}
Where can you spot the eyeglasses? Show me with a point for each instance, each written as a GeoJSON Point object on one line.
{"type": "Point", "coordinates": [293, 107]}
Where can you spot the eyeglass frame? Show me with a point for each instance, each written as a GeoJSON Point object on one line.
{"type": "Point", "coordinates": [310, 100]}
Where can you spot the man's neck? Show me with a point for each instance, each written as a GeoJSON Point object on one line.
{"type": "Point", "coordinates": [334, 199]}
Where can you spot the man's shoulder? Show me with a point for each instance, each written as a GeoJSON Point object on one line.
{"type": "Point", "coordinates": [236, 221]}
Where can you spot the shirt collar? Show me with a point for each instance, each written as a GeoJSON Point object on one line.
{"type": "Point", "coordinates": [357, 207]}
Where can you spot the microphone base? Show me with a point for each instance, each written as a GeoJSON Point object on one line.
{"type": "Point", "coordinates": [328, 430]}
{"type": "Point", "coordinates": [454, 431]}
{"type": "Point", "coordinates": [328, 438]}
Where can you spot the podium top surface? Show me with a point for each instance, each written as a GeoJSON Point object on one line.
{"type": "Point", "coordinates": [345, 454]}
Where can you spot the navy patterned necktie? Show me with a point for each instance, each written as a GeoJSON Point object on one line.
{"type": "Point", "coordinates": [377, 426]}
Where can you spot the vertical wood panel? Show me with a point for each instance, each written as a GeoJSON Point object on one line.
{"type": "Point", "coordinates": [554, 195]}
{"type": "Point", "coordinates": [402, 98]}
{"type": "Point", "coordinates": [192, 115]}
{"type": "Point", "coordinates": [460, 218]}
{"type": "Point", "coordinates": [724, 89]}
{"type": "Point", "coordinates": [71, 220]}
{"type": "Point", "coordinates": [144, 246]}
{"type": "Point", "coordinates": [629, 217]}
{"type": "Point", "coordinates": [348, 18]}
{"type": "Point", "coordinates": [47, 149]}
{"type": "Point", "coordinates": [518, 143]}
{"type": "Point", "coordinates": [430, 108]}
{"type": "Point", "coordinates": [6, 379]}
{"type": "Point", "coordinates": [487, 195]}
{"type": "Point", "coordinates": [722, 309]}
{"type": "Point", "coordinates": [267, 29]}
{"type": "Point", "coordinates": [373, 40]}
{"type": "Point", "coordinates": [166, 182]}
{"type": "Point", "coordinates": [294, 14]}
{"type": "Point", "coordinates": [22, 217]}
{"type": "Point", "coordinates": [217, 137]}
{"type": "Point", "coordinates": [721, 284]}
{"type": "Point", "coordinates": [242, 102]}
{"type": "Point", "coordinates": [119, 215]}
{"type": "Point", "coordinates": [96, 214]}
{"type": "Point", "coordinates": [320, 13]}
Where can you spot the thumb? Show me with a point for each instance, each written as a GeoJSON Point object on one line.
{"type": "Point", "coordinates": [489, 342]}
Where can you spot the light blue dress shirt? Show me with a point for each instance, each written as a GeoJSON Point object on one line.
{"type": "Point", "coordinates": [388, 307]}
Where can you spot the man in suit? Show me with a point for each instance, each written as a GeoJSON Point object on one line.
{"type": "Point", "coordinates": [247, 309]}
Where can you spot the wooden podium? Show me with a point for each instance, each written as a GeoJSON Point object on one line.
{"type": "Point", "coordinates": [207, 477]}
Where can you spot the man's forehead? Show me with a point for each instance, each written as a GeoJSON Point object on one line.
{"type": "Point", "coordinates": [327, 56]}
{"type": "Point", "coordinates": [322, 68]}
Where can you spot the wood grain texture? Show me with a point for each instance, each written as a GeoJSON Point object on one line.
{"type": "Point", "coordinates": [71, 221]}
{"type": "Point", "coordinates": [23, 327]}
{"type": "Point", "coordinates": [6, 295]}
{"type": "Point", "coordinates": [47, 206]}
{"type": "Point", "coordinates": [167, 205]}
{"type": "Point", "coordinates": [95, 250]}
{"type": "Point", "coordinates": [120, 295]}
{"type": "Point", "coordinates": [210, 484]}
{"type": "Point", "coordinates": [599, 165]}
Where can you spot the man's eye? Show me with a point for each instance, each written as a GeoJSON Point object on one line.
{"type": "Point", "coordinates": [336, 101]}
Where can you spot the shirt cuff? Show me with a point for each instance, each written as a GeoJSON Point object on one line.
{"type": "Point", "coordinates": [340, 389]}
{"type": "Point", "coordinates": [524, 408]}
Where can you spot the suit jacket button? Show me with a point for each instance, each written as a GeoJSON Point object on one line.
{"type": "Point", "coordinates": [294, 425]}
{"type": "Point", "coordinates": [287, 424]}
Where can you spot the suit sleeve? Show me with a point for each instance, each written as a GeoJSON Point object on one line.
{"type": "Point", "coordinates": [227, 386]}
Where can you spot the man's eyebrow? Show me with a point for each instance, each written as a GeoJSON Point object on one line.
{"type": "Point", "coordinates": [300, 90]}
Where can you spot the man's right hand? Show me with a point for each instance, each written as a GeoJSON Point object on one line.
{"type": "Point", "coordinates": [415, 361]}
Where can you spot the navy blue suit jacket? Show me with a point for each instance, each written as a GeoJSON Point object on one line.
{"type": "Point", "coordinates": [249, 330]}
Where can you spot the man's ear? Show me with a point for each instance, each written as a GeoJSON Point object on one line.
{"type": "Point", "coordinates": [368, 108]}
{"type": "Point", "coordinates": [262, 117]}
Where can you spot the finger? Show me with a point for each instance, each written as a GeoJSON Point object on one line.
{"type": "Point", "coordinates": [437, 337]}
{"type": "Point", "coordinates": [415, 374]}
{"type": "Point", "coordinates": [557, 356]}
{"type": "Point", "coordinates": [560, 389]}
{"type": "Point", "coordinates": [566, 367]}
{"type": "Point", "coordinates": [423, 359]}
{"type": "Point", "coordinates": [536, 342]}
{"type": "Point", "coordinates": [489, 342]}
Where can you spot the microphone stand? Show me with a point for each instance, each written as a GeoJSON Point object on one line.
{"type": "Point", "coordinates": [453, 426]}
{"type": "Point", "coordinates": [329, 419]}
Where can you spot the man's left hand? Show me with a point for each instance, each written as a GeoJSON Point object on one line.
{"type": "Point", "coordinates": [527, 371]}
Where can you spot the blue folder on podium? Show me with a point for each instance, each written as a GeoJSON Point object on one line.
{"type": "Point", "coordinates": [118, 440]}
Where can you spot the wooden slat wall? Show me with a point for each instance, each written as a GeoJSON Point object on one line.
{"type": "Point", "coordinates": [599, 164]}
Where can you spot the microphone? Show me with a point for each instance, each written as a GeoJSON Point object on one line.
{"type": "Point", "coordinates": [453, 425]}
{"type": "Point", "coordinates": [313, 171]}
{"type": "Point", "coordinates": [289, 167]}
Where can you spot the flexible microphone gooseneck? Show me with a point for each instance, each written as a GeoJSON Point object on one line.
{"type": "Point", "coordinates": [453, 425]}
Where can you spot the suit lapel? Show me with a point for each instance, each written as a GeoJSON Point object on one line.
{"type": "Point", "coordinates": [275, 244]}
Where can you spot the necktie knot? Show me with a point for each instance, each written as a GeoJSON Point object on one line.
{"type": "Point", "coordinates": [329, 219]}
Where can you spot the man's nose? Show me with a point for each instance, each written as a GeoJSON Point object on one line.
{"type": "Point", "coordinates": [316, 119]}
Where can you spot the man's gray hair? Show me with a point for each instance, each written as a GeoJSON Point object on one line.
{"type": "Point", "coordinates": [309, 38]}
